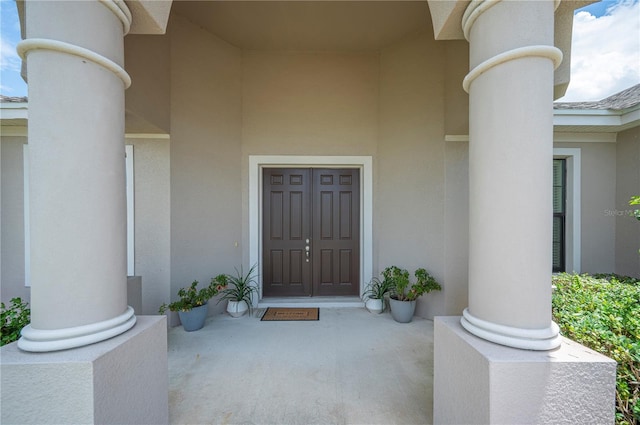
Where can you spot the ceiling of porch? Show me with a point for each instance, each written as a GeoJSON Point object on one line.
{"type": "Point", "coordinates": [308, 25]}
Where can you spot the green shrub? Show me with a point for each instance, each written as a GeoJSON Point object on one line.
{"type": "Point", "coordinates": [13, 320]}
{"type": "Point", "coordinates": [602, 312]}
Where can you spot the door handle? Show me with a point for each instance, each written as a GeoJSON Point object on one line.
{"type": "Point", "coordinates": [307, 250]}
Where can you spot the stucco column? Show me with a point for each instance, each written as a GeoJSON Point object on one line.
{"type": "Point", "coordinates": [510, 86]}
{"type": "Point", "coordinates": [75, 55]}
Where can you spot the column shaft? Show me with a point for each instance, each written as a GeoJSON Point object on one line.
{"type": "Point", "coordinates": [74, 53]}
{"type": "Point", "coordinates": [510, 158]}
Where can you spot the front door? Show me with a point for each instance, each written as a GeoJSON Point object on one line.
{"type": "Point", "coordinates": [311, 232]}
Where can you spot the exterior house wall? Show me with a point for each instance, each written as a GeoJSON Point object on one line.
{"type": "Point", "coordinates": [396, 105]}
{"type": "Point", "coordinates": [152, 220]}
{"type": "Point", "coordinates": [409, 205]}
{"type": "Point", "coordinates": [456, 242]}
{"type": "Point", "coordinates": [148, 99]}
{"type": "Point", "coordinates": [386, 104]}
{"type": "Point", "coordinates": [206, 204]}
{"type": "Point", "coordinates": [627, 185]}
{"type": "Point", "coordinates": [12, 210]}
{"type": "Point", "coordinates": [456, 102]}
{"type": "Point", "coordinates": [309, 103]}
{"type": "Point", "coordinates": [598, 166]}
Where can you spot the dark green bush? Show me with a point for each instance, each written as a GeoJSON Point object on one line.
{"type": "Point", "coordinates": [13, 319]}
{"type": "Point", "coordinates": [602, 312]}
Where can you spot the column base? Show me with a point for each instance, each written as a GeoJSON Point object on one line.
{"type": "Point", "coordinates": [476, 381]}
{"type": "Point", "coordinates": [123, 380]}
{"type": "Point", "coordinates": [526, 339]}
{"type": "Point", "coordinates": [40, 341]}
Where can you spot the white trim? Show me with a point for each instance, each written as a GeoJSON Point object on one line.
{"type": "Point", "coordinates": [558, 137]}
{"type": "Point", "coordinates": [473, 12]}
{"type": "Point", "coordinates": [365, 163]}
{"type": "Point", "coordinates": [14, 111]}
{"type": "Point", "coordinates": [456, 138]}
{"type": "Point", "coordinates": [574, 221]}
{"type": "Point", "coordinates": [27, 221]}
{"type": "Point", "coordinates": [130, 210]}
{"type": "Point", "coordinates": [122, 12]}
{"type": "Point", "coordinates": [549, 52]}
{"type": "Point", "coordinates": [26, 46]}
{"type": "Point", "coordinates": [147, 136]}
{"type": "Point", "coordinates": [596, 117]}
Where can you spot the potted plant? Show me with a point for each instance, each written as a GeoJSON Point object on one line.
{"type": "Point", "coordinates": [239, 291]}
{"type": "Point", "coordinates": [192, 304]}
{"type": "Point", "coordinates": [403, 296]}
{"type": "Point", "coordinates": [374, 294]}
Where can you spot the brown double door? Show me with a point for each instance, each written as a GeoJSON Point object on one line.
{"type": "Point", "coordinates": [311, 232]}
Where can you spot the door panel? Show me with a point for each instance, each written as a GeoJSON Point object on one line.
{"type": "Point", "coordinates": [286, 218]}
{"type": "Point", "coordinates": [336, 221]}
{"type": "Point", "coordinates": [321, 206]}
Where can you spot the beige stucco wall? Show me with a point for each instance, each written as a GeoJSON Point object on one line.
{"type": "Point", "coordinates": [229, 104]}
{"type": "Point", "coordinates": [12, 210]}
{"type": "Point", "coordinates": [409, 204]}
{"type": "Point", "coordinates": [598, 196]}
{"type": "Point", "coordinates": [152, 219]}
{"type": "Point", "coordinates": [456, 112]}
{"type": "Point", "coordinates": [206, 205]}
{"type": "Point", "coordinates": [148, 98]}
{"type": "Point", "coordinates": [456, 242]}
{"type": "Point", "coordinates": [627, 185]}
{"type": "Point", "coordinates": [309, 103]}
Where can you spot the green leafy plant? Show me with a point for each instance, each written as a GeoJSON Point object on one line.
{"type": "Point", "coordinates": [14, 318]}
{"type": "Point", "coordinates": [191, 296]}
{"type": "Point", "coordinates": [635, 200]}
{"type": "Point", "coordinates": [602, 312]}
{"type": "Point", "coordinates": [398, 280]}
{"type": "Point", "coordinates": [376, 289]}
{"type": "Point", "coordinates": [240, 287]}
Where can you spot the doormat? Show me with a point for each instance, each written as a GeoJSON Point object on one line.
{"type": "Point", "coordinates": [278, 314]}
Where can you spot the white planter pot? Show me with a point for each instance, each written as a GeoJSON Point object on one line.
{"type": "Point", "coordinates": [237, 308]}
{"type": "Point", "coordinates": [374, 305]}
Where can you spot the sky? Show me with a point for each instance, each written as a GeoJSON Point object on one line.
{"type": "Point", "coordinates": [605, 53]}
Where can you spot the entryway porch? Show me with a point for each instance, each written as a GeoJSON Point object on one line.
{"type": "Point", "coordinates": [350, 367]}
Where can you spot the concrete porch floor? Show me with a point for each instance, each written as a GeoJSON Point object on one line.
{"type": "Point", "coordinates": [350, 367]}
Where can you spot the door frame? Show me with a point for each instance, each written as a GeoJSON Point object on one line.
{"type": "Point", "coordinates": [364, 163]}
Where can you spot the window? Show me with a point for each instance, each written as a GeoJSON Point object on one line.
{"type": "Point", "coordinates": [559, 214]}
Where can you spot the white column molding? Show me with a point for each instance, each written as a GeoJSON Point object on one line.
{"type": "Point", "coordinates": [37, 340]}
{"type": "Point", "coordinates": [548, 52]}
{"type": "Point", "coordinates": [526, 339]}
{"type": "Point", "coordinates": [473, 12]}
{"type": "Point", "coordinates": [510, 155]}
{"type": "Point", "coordinates": [120, 9]}
{"type": "Point", "coordinates": [25, 46]}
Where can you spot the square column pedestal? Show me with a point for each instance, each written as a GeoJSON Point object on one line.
{"type": "Point", "coordinates": [479, 382]}
{"type": "Point", "coordinates": [123, 380]}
